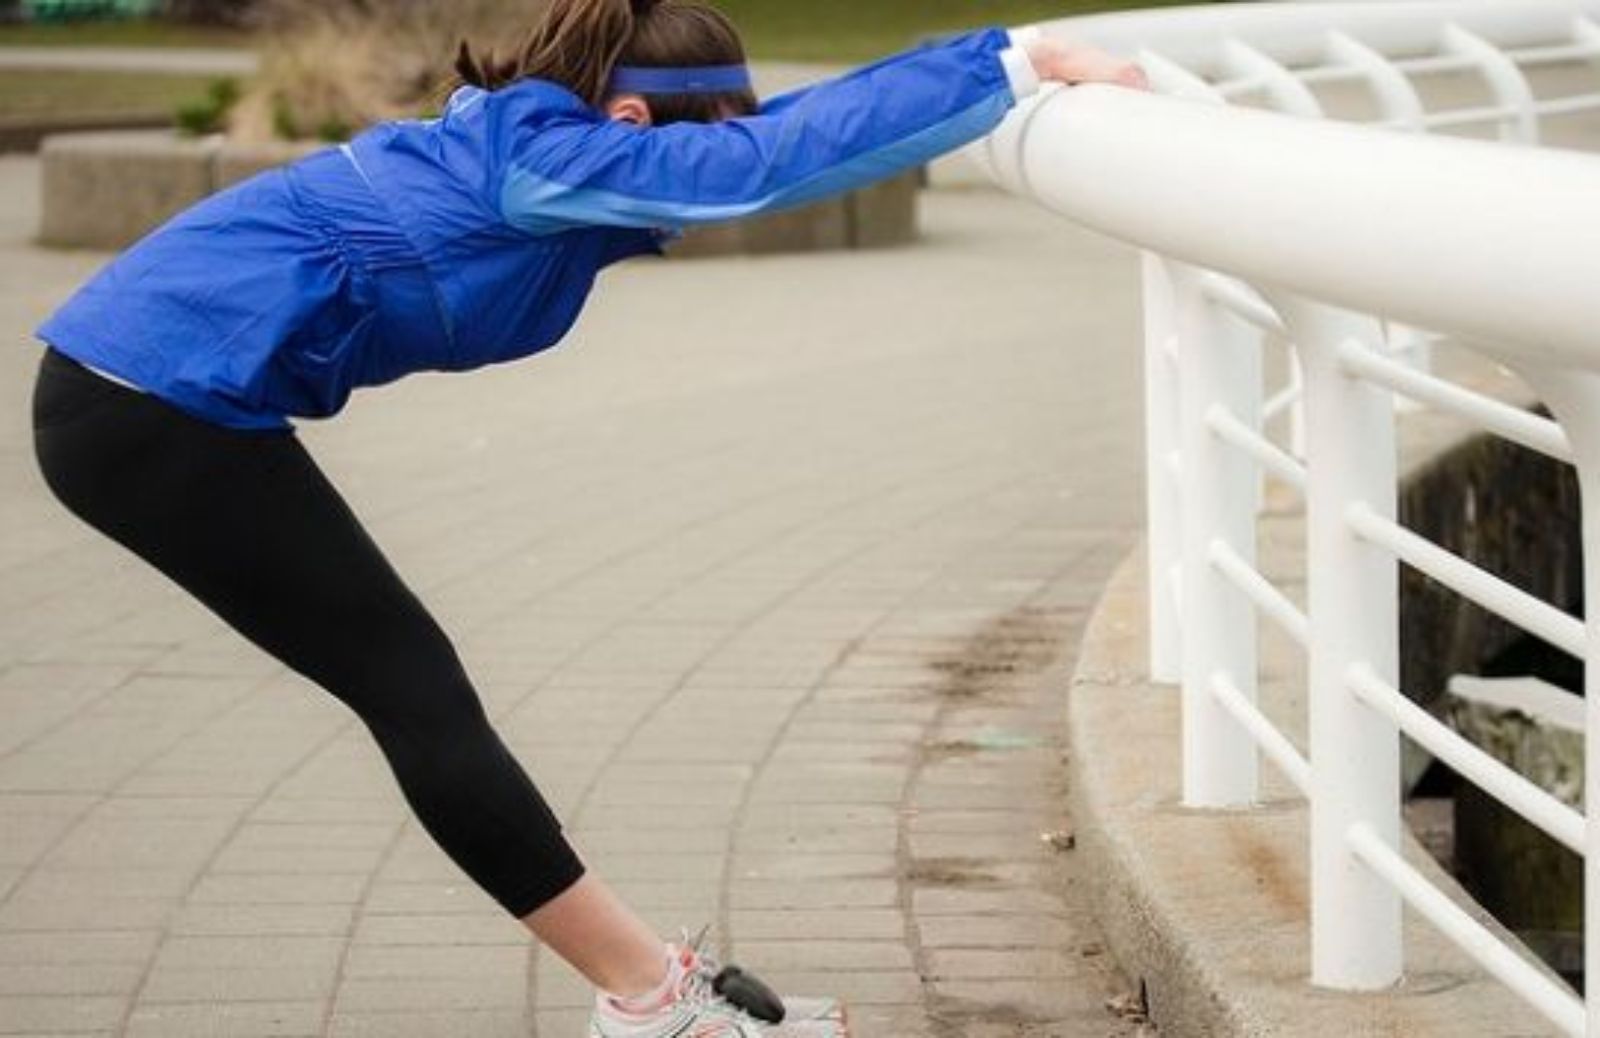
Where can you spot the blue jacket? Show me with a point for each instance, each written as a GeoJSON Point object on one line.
{"type": "Point", "coordinates": [475, 238]}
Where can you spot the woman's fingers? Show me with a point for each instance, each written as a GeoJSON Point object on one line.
{"type": "Point", "coordinates": [1063, 62]}
{"type": "Point", "coordinates": [1134, 77]}
{"type": "Point", "coordinates": [1087, 65]}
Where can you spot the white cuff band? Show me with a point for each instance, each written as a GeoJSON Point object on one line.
{"type": "Point", "coordinates": [1018, 66]}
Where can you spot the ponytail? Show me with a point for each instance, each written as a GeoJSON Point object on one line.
{"type": "Point", "coordinates": [577, 43]}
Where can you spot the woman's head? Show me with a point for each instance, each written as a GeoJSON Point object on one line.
{"type": "Point", "coordinates": [580, 43]}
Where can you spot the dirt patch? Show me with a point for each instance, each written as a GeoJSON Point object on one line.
{"type": "Point", "coordinates": [964, 873]}
{"type": "Point", "coordinates": [949, 749]}
{"type": "Point", "coordinates": [1018, 645]}
{"type": "Point", "coordinates": [958, 1016]}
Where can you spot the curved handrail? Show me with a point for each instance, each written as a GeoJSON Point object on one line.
{"type": "Point", "coordinates": [1287, 202]}
{"type": "Point", "coordinates": [1296, 33]}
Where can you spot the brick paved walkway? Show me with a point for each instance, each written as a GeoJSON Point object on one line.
{"type": "Point", "coordinates": [758, 574]}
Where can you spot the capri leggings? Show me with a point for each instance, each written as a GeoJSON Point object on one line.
{"type": "Point", "coordinates": [247, 523]}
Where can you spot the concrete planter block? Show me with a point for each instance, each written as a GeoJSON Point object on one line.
{"type": "Point", "coordinates": [885, 214]}
{"type": "Point", "coordinates": [107, 190]}
{"type": "Point", "coordinates": [813, 228]}
{"type": "Point", "coordinates": [238, 162]}
{"type": "Point", "coordinates": [716, 239]}
{"type": "Point", "coordinates": [879, 216]}
{"type": "Point", "coordinates": [825, 225]}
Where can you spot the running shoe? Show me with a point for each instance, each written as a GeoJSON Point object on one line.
{"type": "Point", "coordinates": [696, 1009]}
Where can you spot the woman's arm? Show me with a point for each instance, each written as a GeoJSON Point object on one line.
{"type": "Point", "coordinates": [1031, 58]}
{"type": "Point", "coordinates": [568, 165]}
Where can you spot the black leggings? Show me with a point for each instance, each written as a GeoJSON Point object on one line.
{"type": "Point", "coordinates": [247, 523]}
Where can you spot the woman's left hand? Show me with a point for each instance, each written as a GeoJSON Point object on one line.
{"type": "Point", "coordinates": [1060, 62]}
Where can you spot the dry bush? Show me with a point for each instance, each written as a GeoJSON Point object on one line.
{"type": "Point", "coordinates": [331, 67]}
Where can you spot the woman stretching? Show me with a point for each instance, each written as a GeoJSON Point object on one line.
{"type": "Point", "coordinates": [162, 408]}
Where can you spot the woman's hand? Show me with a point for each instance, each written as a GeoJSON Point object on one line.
{"type": "Point", "coordinates": [1060, 62]}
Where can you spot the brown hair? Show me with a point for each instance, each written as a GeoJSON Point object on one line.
{"type": "Point", "coordinates": [578, 43]}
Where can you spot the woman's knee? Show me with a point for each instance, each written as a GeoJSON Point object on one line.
{"type": "Point", "coordinates": [416, 685]}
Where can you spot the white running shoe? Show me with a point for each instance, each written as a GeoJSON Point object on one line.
{"type": "Point", "coordinates": [694, 1009]}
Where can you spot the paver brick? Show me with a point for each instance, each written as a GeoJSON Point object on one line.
{"type": "Point", "coordinates": [89, 948]}
{"type": "Point", "coordinates": [828, 955]}
{"type": "Point", "coordinates": [255, 951]}
{"type": "Point", "coordinates": [950, 901]}
{"type": "Point", "coordinates": [488, 991]}
{"type": "Point", "coordinates": [857, 987]}
{"type": "Point", "coordinates": [58, 1014]}
{"type": "Point", "coordinates": [464, 1023]}
{"type": "Point", "coordinates": [440, 931]}
{"type": "Point", "coordinates": [301, 1019]}
{"type": "Point", "coordinates": [995, 931]}
{"type": "Point", "coordinates": [70, 979]}
{"type": "Point", "coordinates": [230, 919]}
{"type": "Point", "coordinates": [999, 964]}
{"type": "Point", "coordinates": [803, 865]}
{"type": "Point", "coordinates": [458, 897]}
{"type": "Point", "coordinates": [283, 888]}
{"type": "Point", "coordinates": [869, 924]}
{"type": "Point", "coordinates": [85, 914]}
{"type": "Point", "coordinates": [267, 983]}
{"type": "Point", "coordinates": [837, 893]}
{"type": "Point", "coordinates": [376, 962]}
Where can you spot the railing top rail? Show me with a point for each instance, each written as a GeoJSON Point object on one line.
{"type": "Point", "coordinates": [1297, 33]}
{"type": "Point", "coordinates": [1285, 203]}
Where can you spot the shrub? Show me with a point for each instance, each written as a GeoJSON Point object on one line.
{"type": "Point", "coordinates": [210, 114]}
{"type": "Point", "coordinates": [331, 67]}
{"type": "Point", "coordinates": [211, 12]}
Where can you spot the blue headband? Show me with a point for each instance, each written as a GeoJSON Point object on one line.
{"type": "Point", "coordinates": [708, 79]}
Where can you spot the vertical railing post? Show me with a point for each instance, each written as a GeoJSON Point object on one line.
{"type": "Point", "coordinates": [1353, 591]}
{"type": "Point", "coordinates": [1219, 368]}
{"type": "Point", "coordinates": [1574, 400]}
{"type": "Point", "coordinates": [1164, 534]}
{"type": "Point", "coordinates": [1506, 81]}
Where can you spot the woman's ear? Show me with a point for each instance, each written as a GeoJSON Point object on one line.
{"type": "Point", "coordinates": [629, 108]}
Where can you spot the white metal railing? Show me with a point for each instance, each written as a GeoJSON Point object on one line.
{"type": "Point", "coordinates": [1342, 242]}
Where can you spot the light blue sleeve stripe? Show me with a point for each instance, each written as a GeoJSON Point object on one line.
{"type": "Point", "coordinates": [541, 206]}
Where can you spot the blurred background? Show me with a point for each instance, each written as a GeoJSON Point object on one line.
{"type": "Point", "coordinates": [328, 67]}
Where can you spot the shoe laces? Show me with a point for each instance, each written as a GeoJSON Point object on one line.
{"type": "Point", "coordinates": [700, 973]}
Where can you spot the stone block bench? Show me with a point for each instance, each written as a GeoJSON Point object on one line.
{"type": "Point", "coordinates": [106, 190]}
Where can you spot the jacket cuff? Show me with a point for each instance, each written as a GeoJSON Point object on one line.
{"type": "Point", "coordinates": [1019, 67]}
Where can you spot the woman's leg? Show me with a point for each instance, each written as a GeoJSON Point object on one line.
{"type": "Point", "coordinates": [248, 524]}
{"type": "Point", "coordinates": [601, 938]}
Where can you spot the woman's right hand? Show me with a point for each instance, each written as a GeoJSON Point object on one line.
{"type": "Point", "coordinates": [1060, 62]}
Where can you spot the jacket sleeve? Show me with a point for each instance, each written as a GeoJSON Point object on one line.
{"type": "Point", "coordinates": [567, 165]}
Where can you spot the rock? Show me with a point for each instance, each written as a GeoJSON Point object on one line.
{"type": "Point", "coordinates": [1531, 883]}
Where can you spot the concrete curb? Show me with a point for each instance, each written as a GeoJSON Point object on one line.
{"type": "Point", "coordinates": [1209, 909]}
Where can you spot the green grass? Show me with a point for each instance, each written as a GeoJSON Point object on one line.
{"type": "Point", "coordinates": [796, 30]}
{"type": "Point", "coordinates": [131, 33]}
{"type": "Point", "coordinates": [793, 30]}
{"type": "Point", "coordinates": [857, 30]}
{"type": "Point", "coordinates": [51, 94]}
